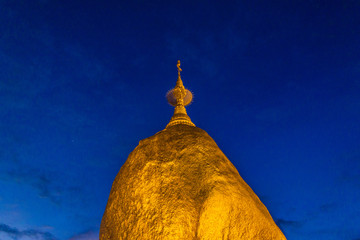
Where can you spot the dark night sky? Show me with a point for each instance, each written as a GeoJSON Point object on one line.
{"type": "Point", "coordinates": [276, 84]}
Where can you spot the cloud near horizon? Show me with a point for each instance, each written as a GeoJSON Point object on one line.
{"type": "Point", "coordinates": [17, 234]}
{"type": "Point", "coordinates": [86, 235]}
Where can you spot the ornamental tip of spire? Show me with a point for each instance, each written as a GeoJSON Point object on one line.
{"type": "Point", "coordinates": [179, 97]}
{"type": "Point", "coordinates": [178, 67]}
{"type": "Point", "coordinates": [179, 82]}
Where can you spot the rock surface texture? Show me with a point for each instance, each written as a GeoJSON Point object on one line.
{"type": "Point", "coordinates": [178, 184]}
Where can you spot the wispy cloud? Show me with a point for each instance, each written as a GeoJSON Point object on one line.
{"type": "Point", "coordinates": [86, 235]}
{"type": "Point", "coordinates": [327, 207]}
{"type": "Point", "coordinates": [350, 172]}
{"type": "Point", "coordinates": [17, 234]}
{"type": "Point", "coordinates": [43, 181]}
{"type": "Point", "coordinates": [37, 179]}
{"type": "Point", "coordinates": [283, 223]}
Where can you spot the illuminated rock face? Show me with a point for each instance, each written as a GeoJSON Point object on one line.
{"type": "Point", "coordinates": [178, 184]}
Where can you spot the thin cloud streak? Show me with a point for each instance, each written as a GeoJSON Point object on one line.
{"type": "Point", "coordinates": [87, 235]}
{"type": "Point", "coordinates": [17, 234]}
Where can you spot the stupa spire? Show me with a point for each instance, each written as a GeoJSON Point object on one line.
{"type": "Point", "coordinates": [178, 184]}
{"type": "Point", "coordinates": [179, 97]}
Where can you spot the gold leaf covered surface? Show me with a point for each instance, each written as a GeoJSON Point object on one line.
{"type": "Point", "coordinates": [178, 184]}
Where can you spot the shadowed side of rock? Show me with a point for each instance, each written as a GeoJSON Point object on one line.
{"type": "Point", "coordinates": [178, 184]}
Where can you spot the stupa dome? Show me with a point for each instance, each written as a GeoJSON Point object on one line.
{"type": "Point", "coordinates": [178, 184]}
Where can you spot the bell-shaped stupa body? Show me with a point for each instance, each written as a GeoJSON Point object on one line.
{"type": "Point", "coordinates": [178, 184]}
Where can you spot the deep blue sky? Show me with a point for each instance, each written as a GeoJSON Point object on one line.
{"type": "Point", "coordinates": [276, 84]}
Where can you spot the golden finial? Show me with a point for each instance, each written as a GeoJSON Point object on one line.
{"type": "Point", "coordinates": [178, 67]}
{"type": "Point", "coordinates": [179, 97]}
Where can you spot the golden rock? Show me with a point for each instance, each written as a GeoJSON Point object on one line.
{"type": "Point", "coordinates": [178, 184]}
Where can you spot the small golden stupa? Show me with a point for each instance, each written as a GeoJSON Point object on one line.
{"type": "Point", "coordinates": [178, 184]}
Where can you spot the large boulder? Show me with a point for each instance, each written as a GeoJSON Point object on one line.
{"type": "Point", "coordinates": [178, 184]}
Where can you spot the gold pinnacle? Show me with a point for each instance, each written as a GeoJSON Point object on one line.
{"type": "Point", "coordinates": [179, 97]}
{"type": "Point", "coordinates": [178, 67]}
